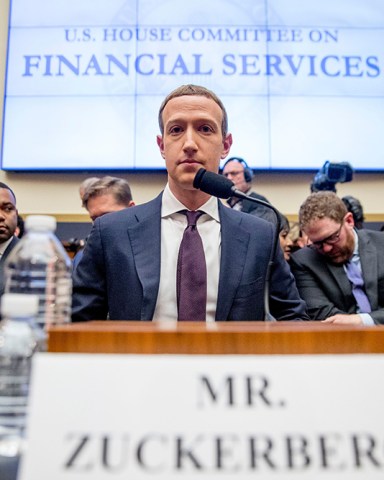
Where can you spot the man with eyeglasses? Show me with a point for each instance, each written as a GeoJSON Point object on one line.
{"type": "Point", "coordinates": [237, 170]}
{"type": "Point", "coordinates": [340, 274]}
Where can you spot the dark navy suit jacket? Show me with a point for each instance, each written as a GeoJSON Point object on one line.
{"type": "Point", "coordinates": [8, 250]}
{"type": "Point", "coordinates": [119, 273]}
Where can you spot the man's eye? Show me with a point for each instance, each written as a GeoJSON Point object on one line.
{"type": "Point", "coordinates": [206, 129]}
{"type": "Point", "coordinates": [175, 130]}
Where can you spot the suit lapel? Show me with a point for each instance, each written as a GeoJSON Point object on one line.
{"type": "Point", "coordinates": [234, 245]}
{"type": "Point", "coordinates": [8, 250]}
{"type": "Point", "coordinates": [338, 273]}
{"type": "Point", "coordinates": [145, 241]}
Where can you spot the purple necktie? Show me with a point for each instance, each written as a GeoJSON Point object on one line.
{"type": "Point", "coordinates": [191, 273]}
{"type": "Point", "coordinates": [356, 278]}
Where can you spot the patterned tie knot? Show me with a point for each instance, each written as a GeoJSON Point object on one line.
{"type": "Point", "coordinates": [192, 216]}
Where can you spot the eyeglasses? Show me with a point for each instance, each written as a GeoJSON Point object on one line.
{"type": "Point", "coordinates": [233, 174]}
{"type": "Point", "coordinates": [330, 240]}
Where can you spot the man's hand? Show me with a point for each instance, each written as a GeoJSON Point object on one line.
{"type": "Point", "coordinates": [341, 318]}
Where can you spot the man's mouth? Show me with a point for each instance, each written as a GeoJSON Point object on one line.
{"type": "Point", "coordinates": [189, 161]}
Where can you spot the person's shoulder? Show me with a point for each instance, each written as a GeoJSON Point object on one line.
{"type": "Point", "coordinates": [246, 218]}
{"type": "Point", "coordinates": [15, 240]}
{"type": "Point", "coordinates": [255, 208]}
{"type": "Point", "coordinates": [258, 196]}
{"type": "Point", "coordinates": [305, 255]}
{"type": "Point", "coordinates": [372, 235]}
{"type": "Point", "coordinates": [129, 214]}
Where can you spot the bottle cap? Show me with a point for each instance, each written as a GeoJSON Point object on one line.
{"type": "Point", "coordinates": [19, 305]}
{"type": "Point", "coordinates": [40, 222]}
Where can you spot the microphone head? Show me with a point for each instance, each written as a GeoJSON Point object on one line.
{"type": "Point", "coordinates": [213, 184]}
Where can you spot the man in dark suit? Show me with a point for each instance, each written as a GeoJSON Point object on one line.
{"type": "Point", "coordinates": [128, 270]}
{"type": "Point", "coordinates": [237, 170]}
{"type": "Point", "coordinates": [8, 224]}
{"type": "Point", "coordinates": [322, 269]}
{"type": "Point", "coordinates": [103, 195]}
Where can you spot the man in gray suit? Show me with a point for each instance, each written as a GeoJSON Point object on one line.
{"type": "Point", "coordinates": [323, 268]}
{"type": "Point", "coordinates": [8, 224]}
{"type": "Point", "coordinates": [128, 270]}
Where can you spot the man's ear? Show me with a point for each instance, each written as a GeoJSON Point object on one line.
{"type": "Point", "coordinates": [348, 219]}
{"type": "Point", "coordinates": [160, 143]}
{"type": "Point", "coordinates": [226, 145]}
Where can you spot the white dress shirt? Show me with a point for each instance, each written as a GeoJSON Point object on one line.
{"type": "Point", "coordinates": [173, 225]}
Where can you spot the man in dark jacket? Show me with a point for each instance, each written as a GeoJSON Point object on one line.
{"type": "Point", "coordinates": [237, 170]}
{"type": "Point", "coordinates": [340, 274]}
{"type": "Point", "coordinates": [133, 266]}
{"type": "Point", "coordinates": [8, 224]}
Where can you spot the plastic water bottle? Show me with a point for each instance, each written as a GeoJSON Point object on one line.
{"type": "Point", "coordinates": [39, 265]}
{"type": "Point", "coordinates": [20, 338]}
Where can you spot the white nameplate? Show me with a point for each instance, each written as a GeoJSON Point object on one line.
{"type": "Point", "coordinates": [128, 417]}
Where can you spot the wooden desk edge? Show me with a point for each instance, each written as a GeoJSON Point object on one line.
{"type": "Point", "coordinates": [280, 338]}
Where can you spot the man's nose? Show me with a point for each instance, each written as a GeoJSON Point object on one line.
{"type": "Point", "coordinates": [189, 140]}
{"type": "Point", "coordinates": [327, 248]}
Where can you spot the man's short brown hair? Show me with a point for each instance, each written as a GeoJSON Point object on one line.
{"type": "Point", "coordinates": [320, 205]}
{"type": "Point", "coordinates": [194, 90]}
{"type": "Point", "coordinates": [118, 187]}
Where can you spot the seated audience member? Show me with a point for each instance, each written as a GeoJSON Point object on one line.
{"type": "Point", "coordinates": [84, 185]}
{"type": "Point", "coordinates": [340, 274]}
{"type": "Point", "coordinates": [285, 240]}
{"type": "Point", "coordinates": [237, 170]}
{"type": "Point", "coordinates": [354, 206]}
{"type": "Point", "coordinates": [8, 225]}
{"type": "Point", "coordinates": [184, 255]}
{"type": "Point", "coordinates": [105, 195]}
{"type": "Point", "coordinates": [298, 238]}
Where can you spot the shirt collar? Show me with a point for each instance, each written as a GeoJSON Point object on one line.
{"type": "Point", "coordinates": [171, 205]}
{"type": "Point", "coordinates": [356, 249]}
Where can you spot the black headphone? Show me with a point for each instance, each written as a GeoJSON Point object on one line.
{"type": "Point", "coordinates": [248, 173]}
{"type": "Point", "coordinates": [354, 206]}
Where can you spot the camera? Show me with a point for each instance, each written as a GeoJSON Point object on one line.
{"type": "Point", "coordinates": [330, 174]}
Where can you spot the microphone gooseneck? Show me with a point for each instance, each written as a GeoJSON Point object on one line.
{"type": "Point", "coordinates": [221, 187]}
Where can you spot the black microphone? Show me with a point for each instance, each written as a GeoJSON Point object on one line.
{"type": "Point", "coordinates": [221, 187]}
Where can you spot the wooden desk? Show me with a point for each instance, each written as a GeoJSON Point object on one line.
{"type": "Point", "coordinates": [214, 338]}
